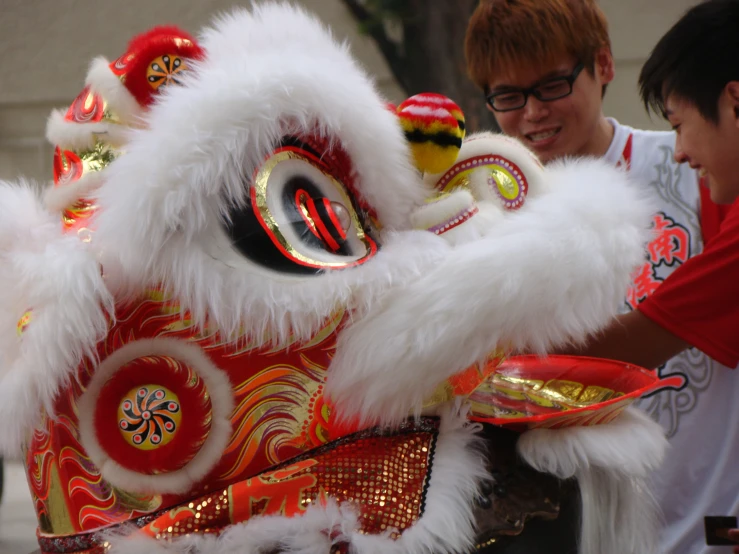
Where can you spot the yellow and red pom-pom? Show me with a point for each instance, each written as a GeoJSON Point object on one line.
{"type": "Point", "coordinates": [434, 127]}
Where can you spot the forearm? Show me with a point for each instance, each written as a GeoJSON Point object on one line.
{"type": "Point", "coordinates": [632, 338]}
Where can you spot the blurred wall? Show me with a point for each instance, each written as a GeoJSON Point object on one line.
{"type": "Point", "coordinates": [46, 46]}
{"type": "Point", "coordinates": [635, 27]}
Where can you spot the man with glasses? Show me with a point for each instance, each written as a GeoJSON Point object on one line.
{"type": "Point", "coordinates": [540, 124]}
{"type": "Point", "coordinates": [551, 89]}
{"type": "Point", "coordinates": [543, 66]}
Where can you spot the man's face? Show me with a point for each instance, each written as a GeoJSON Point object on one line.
{"type": "Point", "coordinates": [710, 147]}
{"type": "Point", "coordinates": [563, 127]}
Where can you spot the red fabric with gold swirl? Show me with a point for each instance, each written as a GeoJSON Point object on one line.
{"type": "Point", "coordinates": [279, 413]}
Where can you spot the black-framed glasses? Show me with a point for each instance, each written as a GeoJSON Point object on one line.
{"type": "Point", "coordinates": [547, 91]}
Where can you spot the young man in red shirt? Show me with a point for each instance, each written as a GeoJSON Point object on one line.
{"type": "Point", "coordinates": [543, 66]}
{"type": "Point", "coordinates": [692, 79]}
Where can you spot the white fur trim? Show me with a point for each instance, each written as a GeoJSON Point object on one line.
{"type": "Point", "coordinates": [56, 199]}
{"type": "Point", "coordinates": [445, 527]}
{"type": "Point", "coordinates": [611, 463]}
{"type": "Point", "coordinates": [120, 101]}
{"type": "Point", "coordinates": [221, 399]}
{"type": "Point", "coordinates": [632, 443]}
{"type": "Point", "coordinates": [83, 136]}
{"type": "Point", "coordinates": [453, 216]}
{"type": "Point", "coordinates": [553, 272]}
{"type": "Point", "coordinates": [55, 276]}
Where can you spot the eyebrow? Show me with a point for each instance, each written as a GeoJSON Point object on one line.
{"type": "Point", "coordinates": [551, 75]}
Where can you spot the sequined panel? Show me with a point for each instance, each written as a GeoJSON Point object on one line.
{"type": "Point", "coordinates": [385, 477]}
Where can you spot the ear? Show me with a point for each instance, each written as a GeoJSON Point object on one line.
{"type": "Point", "coordinates": [732, 96]}
{"type": "Point", "coordinates": [605, 68]}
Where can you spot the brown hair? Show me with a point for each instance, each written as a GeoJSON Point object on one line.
{"type": "Point", "coordinates": [503, 33]}
{"type": "Point", "coordinates": [694, 60]}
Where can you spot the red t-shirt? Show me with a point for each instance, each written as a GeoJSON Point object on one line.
{"type": "Point", "coordinates": [700, 301]}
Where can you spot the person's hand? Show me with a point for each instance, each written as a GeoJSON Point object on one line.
{"type": "Point", "coordinates": [734, 536]}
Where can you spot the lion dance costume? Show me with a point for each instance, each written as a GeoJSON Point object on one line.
{"type": "Point", "coordinates": [261, 310]}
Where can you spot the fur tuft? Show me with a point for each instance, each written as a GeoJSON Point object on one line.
{"type": "Point", "coordinates": [55, 278]}
{"type": "Point", "coordinates": [611, 463]}
{"type": "Point", "coordinates": [56, 199]}
{"type": "Point", "coordinates": [104, 82]}
{"type": "Point", "coordinates": [82, 136]}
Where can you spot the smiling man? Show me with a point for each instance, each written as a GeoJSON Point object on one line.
{"type": "Point", "coordinates": [543, 67]}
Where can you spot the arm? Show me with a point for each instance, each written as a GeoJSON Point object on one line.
{"type": "Point", "coordinates": [697, 305]}
{"type": "Point", "coordinates": [734, 536]}
{"type": "Point", "coordinates": [636, 339]}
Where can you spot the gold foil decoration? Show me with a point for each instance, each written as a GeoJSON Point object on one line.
{"type": "Point", "coordinates": [465, 382]}
{"type": "Point", "coordinates": [505, 182]}
{"type": "Point", "coordinates": [58, 520]}
{"type": "Point", "coordinates": [461, 180]}
{"type": "Point", "coordinates": [521, 394]}
{"type": "Point", "coordinates": [143, 503]}
{"type": "Point", "coordinates": [97, 158]}
{"type": "Point", "coordinates": [180, 42]}
{"type": "Point", "coordinates": [23, 322]}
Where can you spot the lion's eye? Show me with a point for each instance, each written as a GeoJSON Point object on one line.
{"type": "Point", "coordinates": [302, 214]}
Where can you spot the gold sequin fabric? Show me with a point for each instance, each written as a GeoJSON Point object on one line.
{"type": "Point", "coordinates": [384, 476]}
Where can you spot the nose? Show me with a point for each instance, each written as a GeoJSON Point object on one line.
{"type": "Point", "coordinates": [535, 110]}
{"type": "Point", "coordinates": [680, 156]}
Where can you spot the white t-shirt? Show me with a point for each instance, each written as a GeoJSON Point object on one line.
{"type": "Point", "coordinates": [700, 476]}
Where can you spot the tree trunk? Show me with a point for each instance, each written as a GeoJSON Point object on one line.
{"type": "Point", "coordinates": [431, 55]}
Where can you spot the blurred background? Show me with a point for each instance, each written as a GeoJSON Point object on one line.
{"type": "Point", "coordinates": [409, 46]}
